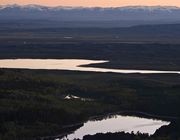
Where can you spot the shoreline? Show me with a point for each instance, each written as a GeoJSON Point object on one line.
{"type": "Point", "coordinates": [122, 113]}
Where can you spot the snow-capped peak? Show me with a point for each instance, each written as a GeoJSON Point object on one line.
{"type": "Point", "coordinates": [27, 7]}
{"type": "Point", "coordinates": [125, 8]}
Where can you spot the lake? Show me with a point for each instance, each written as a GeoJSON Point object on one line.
{"type": "Point", "coordinates": [70, 64]}
{"type": "Point", "coordinates": [117, 123]}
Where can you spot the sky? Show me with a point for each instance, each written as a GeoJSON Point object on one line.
{"type": "Point", "coordinates": [94, 3]}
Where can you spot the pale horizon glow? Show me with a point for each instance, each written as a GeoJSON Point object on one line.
{"type": "Point", "coordinates": [93, 3]}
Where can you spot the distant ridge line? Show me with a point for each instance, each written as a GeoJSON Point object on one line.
{"type": "Point", "coordinates": [95, 7]}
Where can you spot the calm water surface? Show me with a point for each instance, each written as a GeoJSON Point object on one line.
{"type": "Point", "coordinates": [117, 123]}
{"type": "Point", "coordinates": [69, 64]}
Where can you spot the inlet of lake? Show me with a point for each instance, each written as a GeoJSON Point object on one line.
{"type": "Point", "coordinates": [116, 123]}
{"type": "Point", "coordinates": [70, 64]}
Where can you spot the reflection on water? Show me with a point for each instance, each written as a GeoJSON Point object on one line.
{"type": "Point", "coordinates": [117, 123]}
{"type": "Point", "coordinates": [68, 64]}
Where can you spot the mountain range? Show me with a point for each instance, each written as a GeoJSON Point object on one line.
{"type": "Point", "coordinates": [91, 16]}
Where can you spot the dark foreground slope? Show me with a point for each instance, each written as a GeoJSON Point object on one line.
{"type": "Point", "coordinates": [33, 105]}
